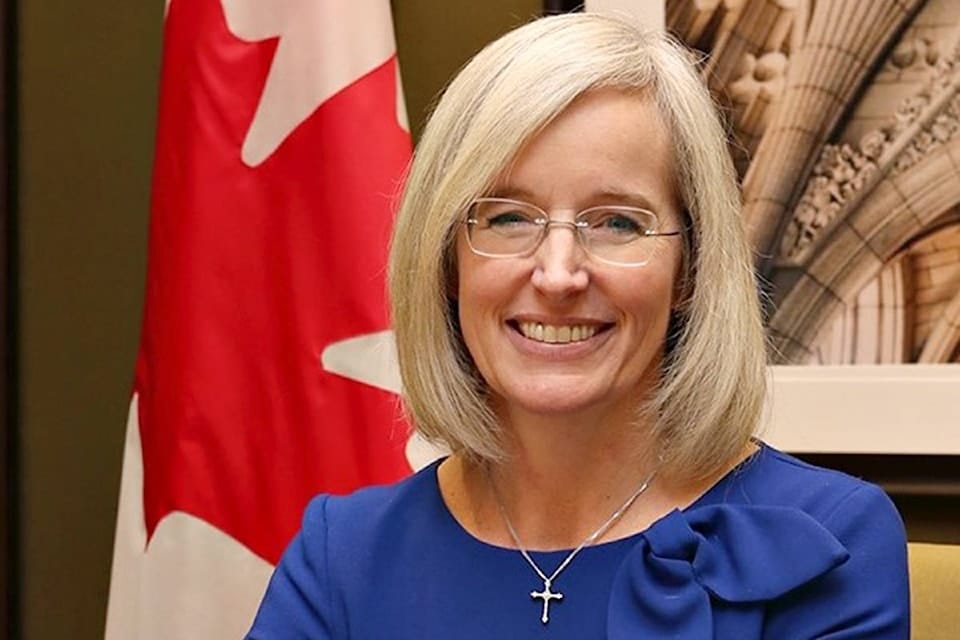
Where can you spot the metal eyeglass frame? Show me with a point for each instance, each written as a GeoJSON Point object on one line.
{"type": "Point", "coordinates": [574, 225]}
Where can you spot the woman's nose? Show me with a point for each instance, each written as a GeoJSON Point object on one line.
{"type": "Point", "coordinates": [560, 258]}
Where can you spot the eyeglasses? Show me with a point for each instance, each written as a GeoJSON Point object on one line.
{"type": "Point", "coordinates": [503, 228]}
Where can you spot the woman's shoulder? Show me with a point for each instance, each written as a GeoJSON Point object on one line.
{"type": "Point", "coordinates": [374, 510]}
{"type": "Point", "coordinates": [773, 478]}
{"type": "Point", "coordinates": [343, 541]}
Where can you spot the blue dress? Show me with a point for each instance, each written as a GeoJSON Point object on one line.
{"type": "Point", "coordinates": [777, 549]}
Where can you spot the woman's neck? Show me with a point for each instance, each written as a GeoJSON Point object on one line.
{"type": "Point", "coordinates": [559, 493]}
{"type": "Point", "coordinates": [562, 478]}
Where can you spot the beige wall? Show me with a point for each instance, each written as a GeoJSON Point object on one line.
{"type": "Point", "coordinates": [87, 100]}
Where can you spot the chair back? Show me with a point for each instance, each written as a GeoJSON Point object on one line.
{"type": "Point", "coordinates": [934, 591]}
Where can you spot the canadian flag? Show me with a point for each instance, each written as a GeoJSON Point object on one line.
{"type": "Point", "coordinates": [265, 367]}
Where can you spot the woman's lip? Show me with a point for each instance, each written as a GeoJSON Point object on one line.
{"type": "Point", "coordinates": [558, 350]}
{"type": "Point", "coordinates": [559, 322]}
{"type": "Point", "coordinates": [557, 333]}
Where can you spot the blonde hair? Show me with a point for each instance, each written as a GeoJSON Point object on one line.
{"type": "Point", "coordinates": [709, 400]}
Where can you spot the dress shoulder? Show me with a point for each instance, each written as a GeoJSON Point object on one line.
{"type": "Point", "coordinates": [772, 477]}
{"type": "Point", "coordinates": [304, 599]}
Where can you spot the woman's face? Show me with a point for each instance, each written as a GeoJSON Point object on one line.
{"type": "Point", "coordinates": [609, 322]}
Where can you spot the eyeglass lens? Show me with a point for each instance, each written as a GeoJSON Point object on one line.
{"type": "Point", "coordinates": [503, 228]}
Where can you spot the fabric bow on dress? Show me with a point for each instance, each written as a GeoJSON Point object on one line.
{"type": "Point", "coordinates": [695, 573]}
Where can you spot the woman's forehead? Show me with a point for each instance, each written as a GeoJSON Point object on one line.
{"type": "Point", "coordinates": [607, 147]}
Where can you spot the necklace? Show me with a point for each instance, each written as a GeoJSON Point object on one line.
{"type": "Point", "coordinates": [547, 595]}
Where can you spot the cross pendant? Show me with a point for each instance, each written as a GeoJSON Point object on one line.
{"type": "Point", "coordinates": [546, 595]}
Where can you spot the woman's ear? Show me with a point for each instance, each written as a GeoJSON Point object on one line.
{"type": "Point", "coordinates": [452, 278]}
{"type": "Point", "coordinates": [675, 329]}
{"type": "Point", "coordinates": [686, 270]}
{"type": "Point", "coordinates": [682, 289]}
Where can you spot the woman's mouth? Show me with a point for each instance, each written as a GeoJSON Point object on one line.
{"type": "Point", "coordinates": [557, 333]}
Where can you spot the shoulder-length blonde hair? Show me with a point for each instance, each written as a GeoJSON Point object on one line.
{"type": "Point", "coordinates": [709, 400]}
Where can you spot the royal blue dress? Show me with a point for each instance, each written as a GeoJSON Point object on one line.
{"type": "Point", "coordinates": [777, 549]}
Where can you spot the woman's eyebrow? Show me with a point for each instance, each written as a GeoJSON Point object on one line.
{"type": "Point", "coordinates": [511, 191]}
{"type": "Point", "coordinates": [598, 197]}
{"type": "Point", "coordinates": [631, 198]}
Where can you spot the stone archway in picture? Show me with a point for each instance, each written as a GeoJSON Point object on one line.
{"type": "Point", "coordinates": [845, 118]}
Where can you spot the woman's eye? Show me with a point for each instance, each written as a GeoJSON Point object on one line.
{"type": "Point", "coordinates": [508, 218]}
{"type": "Point", "coordinates": [620, 223]}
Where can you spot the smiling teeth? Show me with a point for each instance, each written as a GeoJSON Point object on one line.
{"type": "Point", "coordinates": [555, 334]}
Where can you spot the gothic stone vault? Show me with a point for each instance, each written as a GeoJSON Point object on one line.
{"type": "Point", "coordinates": [845, 128]}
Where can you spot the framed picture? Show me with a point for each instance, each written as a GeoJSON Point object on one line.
{"type": "Point", "coordinates": [845, 130]}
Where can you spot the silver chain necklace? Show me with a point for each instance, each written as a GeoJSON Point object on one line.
{"type": "Point", "coordinates": [547, 595]}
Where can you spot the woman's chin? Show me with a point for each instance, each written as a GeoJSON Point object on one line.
{"type": "Point", "coordinates": [556, 400]}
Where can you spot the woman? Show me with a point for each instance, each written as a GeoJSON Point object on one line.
{"type": "Point", "coordinates": [576, 320]}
